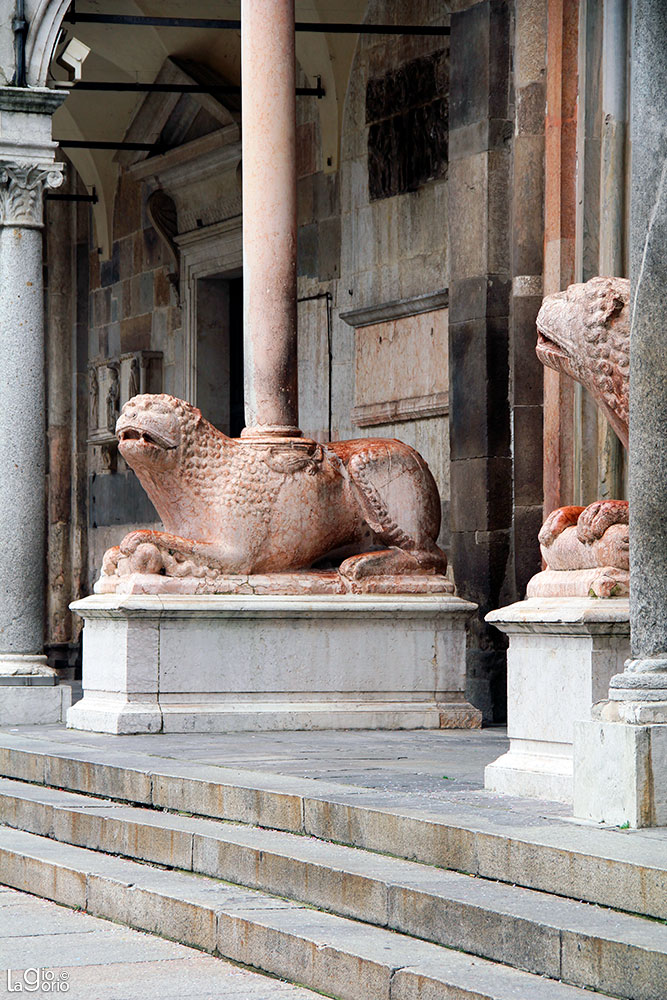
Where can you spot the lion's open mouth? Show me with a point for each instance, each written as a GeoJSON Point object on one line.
{"type": "Point", "coordinates": [549, 352]}
{"type": "Point", "coordinates": [147, 438]}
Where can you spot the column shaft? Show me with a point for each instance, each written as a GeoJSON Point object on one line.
{"type": "Point", "coordinates": [27, 168]}
{"type": "Point", "coordinates": [644, 681]}
{"type": "Point", "coordinates": [269, 216]}
{"type": "Point", "coordinates": [22, 441]}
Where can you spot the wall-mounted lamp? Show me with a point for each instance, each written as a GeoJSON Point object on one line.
{"type": "Point", "coordinates": [73, 57]}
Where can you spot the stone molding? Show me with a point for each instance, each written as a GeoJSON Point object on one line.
{"type": "Point", "coordinates": [202, 177]}
{"type": "Point", "coordinates": [397, 309]}
{"type": "Point", "coordinates": [22, 186]}
{"type": "Point", "coordinates": [446, 608]}
{"type": "Point", "coordinates": [394, 411]}
{"type": "Point", "coordinates": [564, 616]}
{"type": "Point", "coordinates": [34, 100]}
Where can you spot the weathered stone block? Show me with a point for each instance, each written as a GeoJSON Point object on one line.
{"type": "Point", "coordinates": [49, 880]}
{"type": "Point", "coordinates": [618, 772]}
{"type": "Point", "coordinates": [236, 802]}
{"type": "Point", "coordinates": [481, 494]}
{"type": "Point", "coordinates": [189, 922]}
{"type": "Point", "coordinates": [527, 439]}
{"type": "Point", "coordinates": [527, 372]}
{"type": "Point", "coordinates": [135, 333]}
{"type": "Point", "coordinates": [329, 249]}
{"type": "Point", "coordinates": [469, 66]}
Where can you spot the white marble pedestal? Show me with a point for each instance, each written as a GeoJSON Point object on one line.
{"type": "Point", "coordinates": [226, 663]}
{"type": "Point", "coordinates": [563, 652]}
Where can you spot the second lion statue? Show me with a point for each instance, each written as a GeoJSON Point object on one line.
{"type": "Point", "coordinates": [584, 332]}
{"type": "Point", "coordinates": [237, 508]}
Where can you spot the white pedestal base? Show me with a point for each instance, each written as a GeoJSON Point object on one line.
{"type": "Point", "coordinates": [619, 773]}
{"type": "Point", "coordinates": [32, 700]}
{"type": "Point", "coordinates": [562, 654]}
{"type": "Point", "coordinates": [228, 663]}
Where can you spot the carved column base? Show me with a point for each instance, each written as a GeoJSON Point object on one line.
{"type": "Point", "coordinates": [29, 691]}
{"type": "Point", "coordinates": [620, 757]}
{"type": "Point", "coordinates": [271, 435]}
{"type": "Point", "coordinates": [25, 665]}
{"type": "Point", "coordinates": [639, 694]}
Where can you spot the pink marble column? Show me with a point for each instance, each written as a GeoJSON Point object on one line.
{"type": "Point", "coordinates": [268, 80]}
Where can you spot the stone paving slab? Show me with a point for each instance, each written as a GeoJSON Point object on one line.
{"type": "Point", "coordinates": [410, 761]}
{"type": "Point", "coordinates": [103, 961]}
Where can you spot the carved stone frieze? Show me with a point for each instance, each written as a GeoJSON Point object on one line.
{"type": "Point", "coordinates": [22, 187]}
{"type": "Point", "coordinates": [111, 382]}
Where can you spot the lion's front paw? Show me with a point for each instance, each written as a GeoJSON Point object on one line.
{"type": "Point", "coordinates": [556, 523]}
{"type": "Point", "coordinates": [134, 539]}
{"type": "Point", "coordinates": [110, 561]}
{"type": "Point", "coordinates": [146, 558]}
{"type": "Point", "coordinates": [597, 517]}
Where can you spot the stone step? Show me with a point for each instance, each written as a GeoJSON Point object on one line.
{"type": "Point", "coordinates": [578, 943]}
{"type": "Point", "coordinates": [335, 955]}
{"type": "Point", "coordinates": [86, 958]}
{"type": "Point", "coordinates": [624, 870]}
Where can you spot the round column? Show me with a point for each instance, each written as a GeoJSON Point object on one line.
{"type": "Point", "coordinates": [269, 217]}
{"type": "Point", "coordinates": [641, 690]}
{"type": "Point", "coordinates": [22, 422]}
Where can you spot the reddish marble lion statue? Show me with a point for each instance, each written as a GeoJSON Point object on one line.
{"type": "Point", "coordinates": [249, 516]}
{"type": "Point", "coordinates": [584, 332]}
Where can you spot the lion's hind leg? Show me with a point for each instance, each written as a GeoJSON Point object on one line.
{"type": "Point", "coordinates": [393, 560]}
{"type": "Point", "coordinates": [396, 571]}
{"type": "Point", "coordinates": [407, 551]}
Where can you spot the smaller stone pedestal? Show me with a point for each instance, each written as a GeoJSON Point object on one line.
{"type": "Point", "coordinates": [619, 772]}
{"type": "Point", "coordinates": [167, 663]}
{"type": "Point", "coordinates": [31, 699]}
{"type": "Point", "coordinates": [562, 655]}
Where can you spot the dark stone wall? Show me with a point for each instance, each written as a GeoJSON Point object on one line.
{"type": "Point", "coordinates": [527, 253]}
{"type": "Point", "coordinates": [481, 128]}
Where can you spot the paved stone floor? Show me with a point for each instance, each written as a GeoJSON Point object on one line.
{"type": "Point", "coordinates": [428, 763]}
{"type": "Point", "coordinates": [46, 945]}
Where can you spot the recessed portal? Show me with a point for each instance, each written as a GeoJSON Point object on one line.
{"type": "Point", "coordinates": [220, 352]}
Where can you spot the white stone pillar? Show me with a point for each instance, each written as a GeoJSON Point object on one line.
{"type": "Point", "coordinates": [27, 169]}
{"type": "Point", "coordinates": [268, 80]}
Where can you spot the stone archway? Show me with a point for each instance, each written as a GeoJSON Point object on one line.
{"type": "Point", "coordinates": [44, 18]}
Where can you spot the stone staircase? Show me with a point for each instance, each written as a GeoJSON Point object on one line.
{"type": "Point", "coordinates": [349, 892]}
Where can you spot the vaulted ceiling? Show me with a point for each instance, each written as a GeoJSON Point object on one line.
{"type": "Point", "coordinates": [124, 53]}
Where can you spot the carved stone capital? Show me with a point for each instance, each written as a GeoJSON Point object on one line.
{"type": "Point", "coordinates": [22, 187]}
